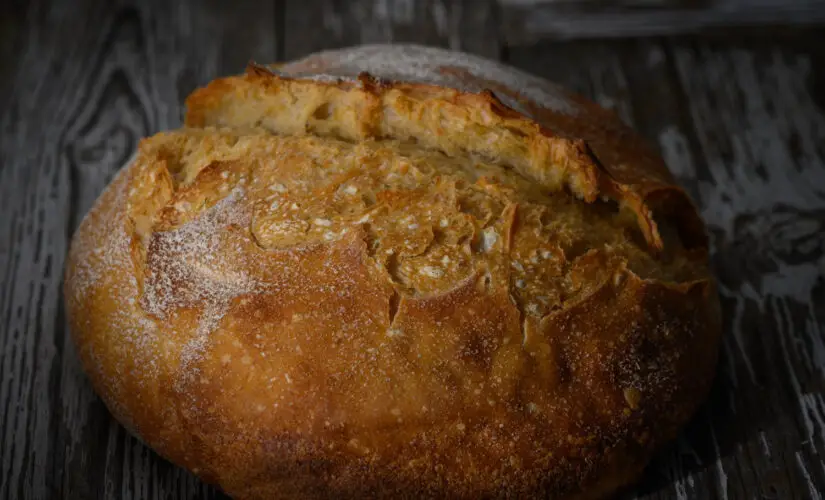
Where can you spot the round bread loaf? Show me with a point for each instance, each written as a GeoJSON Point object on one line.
{"type": "Point", "coordinates": [396, 271]}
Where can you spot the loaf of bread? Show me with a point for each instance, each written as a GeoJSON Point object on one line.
{"type": "Point", "coordinates": [396, 271]}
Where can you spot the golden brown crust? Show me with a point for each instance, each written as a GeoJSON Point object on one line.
{"type": "Point", "coordinates": [598, 154]}
{"type": "Point", "coordinates": [387, 290]}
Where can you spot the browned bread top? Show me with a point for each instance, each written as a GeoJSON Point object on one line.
{"type": "Point", "coordinates": [396, 283]}
{"type": "Point", "coordinates": [551, 136]}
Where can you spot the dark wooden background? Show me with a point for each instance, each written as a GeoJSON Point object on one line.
{"type": "Point", "coordinates": [739, 115]}
{"type": "Point", "coordinates": [531, 20]}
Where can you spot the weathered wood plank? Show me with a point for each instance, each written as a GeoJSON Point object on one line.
{"type": "Point", "coordinates": [312, 25]}
{"type": "Point", "coordinates": [80, 101]}
{"type": "Point", "coordinates": [475, 27]}
{"type": "Point", "coordinates": [760, 130]}
{"type": "Point", "coordinates": [36, 197]}
{"type": "Point", "coordinates": [528, 21]}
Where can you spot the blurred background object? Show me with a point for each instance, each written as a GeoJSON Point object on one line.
{"type": "Point", "coordinates": [529, 20]}
{"type": "Point", "coordinates": [732, 92]}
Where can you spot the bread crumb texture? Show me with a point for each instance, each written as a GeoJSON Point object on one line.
{"type": "Point", "coordinates": [396, 271]}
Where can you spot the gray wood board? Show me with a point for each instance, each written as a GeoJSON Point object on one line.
{"type": "Point", "coordinates": [740, 123]}
{"type": "Point", "coordinates": [468, 25]}
{"type": "Point", "coordinates": [526, 21]}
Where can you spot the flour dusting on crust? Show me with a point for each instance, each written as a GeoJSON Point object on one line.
{"type": "Point", "coordinates": [419, 64]}
{"type": "Point", "coordinates": [92, 259]}
{"type": "Point", "coordinates": [190, 266]}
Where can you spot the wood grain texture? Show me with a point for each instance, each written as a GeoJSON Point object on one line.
{"type": "Point", "coordinates": [527, 21]}
{"type": "Point", "coordinates": [601, 4]}
{"type": "Point", "coordinates": [741, 124]}
{"type": "Point", "coordinates": [468, 25]}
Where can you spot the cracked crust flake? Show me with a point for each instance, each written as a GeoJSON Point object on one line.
{"type": "Point", "coordinates": [422, 274]}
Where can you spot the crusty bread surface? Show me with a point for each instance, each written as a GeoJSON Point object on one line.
{"type": "Point", "coordinates": [396, 271]}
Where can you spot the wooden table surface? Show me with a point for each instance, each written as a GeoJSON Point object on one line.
{"type": "Point", "coordinates": [739, 117]}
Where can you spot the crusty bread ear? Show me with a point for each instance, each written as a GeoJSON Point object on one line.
{"type": "Point", "coordinates": [372, 288]}
{"type": "Point", "coordinates": [417, 93]}
{"type": "Point", "coordinates": [446, 120]}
